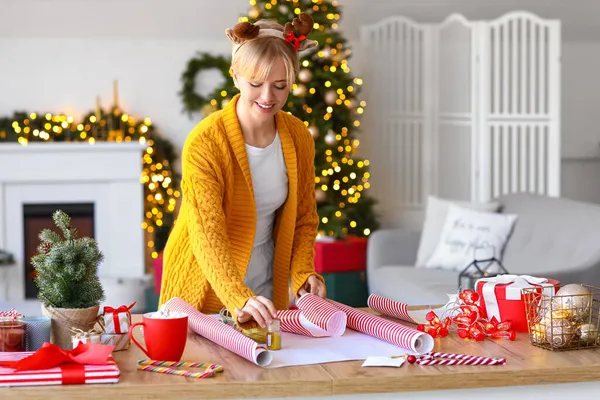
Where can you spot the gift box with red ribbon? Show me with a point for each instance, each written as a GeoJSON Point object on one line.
{"type": "Point", "coordinates": [501, 297]}
{"type": "Point", "coordinates": [51, 365]}
{"type": "Point", "coordinates": [341, 255]}
{"type": "Point", "coordinates": [117, 320]}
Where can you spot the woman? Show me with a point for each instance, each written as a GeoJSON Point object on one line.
{"type": "Point", "coordinates": [248, 222]}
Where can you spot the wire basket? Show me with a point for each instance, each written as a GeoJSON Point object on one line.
{"type": "Point", "coordinates": [563, 321]}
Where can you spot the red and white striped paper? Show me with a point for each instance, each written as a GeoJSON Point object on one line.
{"type": "Point", "coordinates": [314, 317]}
{"type": "Point", "coordinates": [323, 314]}
{"type": "Point", "coordinates": [391, 332]}
{"type": "Point", "coordinates": [390, 308]}
{"type": "Point", "coordinates": [93, 373]}
{"type": "Point", "coordinates": [221, 334]}
{"type": "Point", "coordinates": [291, 321]}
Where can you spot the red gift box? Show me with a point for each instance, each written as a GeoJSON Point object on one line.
{"type": "Point", "coordinates": [501, 297]}
{"type": "Point", "coordinates": [65, 374]}
{"type": "Point", "coordinates": [341, 255]}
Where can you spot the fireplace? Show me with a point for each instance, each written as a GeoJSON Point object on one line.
{"type": "Point", "coordinates": [98, 186]}
{"type": "Point", "coordinates": [39, 216]}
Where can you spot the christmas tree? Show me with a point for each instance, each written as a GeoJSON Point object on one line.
{"type": "Point", "coordinates": [66, 267]}
{"type": "Point", "coordinates": [325, 97]}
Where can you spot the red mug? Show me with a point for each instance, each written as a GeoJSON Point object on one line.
{"type": "Point", "coordinates": [165, 338]}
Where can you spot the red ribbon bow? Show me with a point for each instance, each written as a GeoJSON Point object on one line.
{"type": "Point", "coordinates": [291, 38]}
{"type": "Point", "coordinates": [71, 362]}
{"type": "Point", "coordinates": [116, 311]}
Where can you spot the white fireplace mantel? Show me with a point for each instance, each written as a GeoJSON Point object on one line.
{"type": "Point", "coordinates": [105, 174]}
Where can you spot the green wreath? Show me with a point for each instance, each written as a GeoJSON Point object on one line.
{"type": "Point", "coordinates": [192, 101]}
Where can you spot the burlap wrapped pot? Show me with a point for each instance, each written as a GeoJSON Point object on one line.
{"type": "Point", "coordinates": [63, 319]}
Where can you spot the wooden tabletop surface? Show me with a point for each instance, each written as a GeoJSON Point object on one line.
{"type": "Point", "coordinates": [526, 365]}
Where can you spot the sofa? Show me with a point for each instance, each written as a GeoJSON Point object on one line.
{"type": "Point", "coordinates": [552, 238]}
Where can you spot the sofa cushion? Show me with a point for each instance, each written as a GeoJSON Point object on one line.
{"type": "Point", "coordinates": [413, 286]}
{"type": "Point", "coordinates": [551, 234]}
{"type": "Point", "coordinates": [435, 217]}
{"type": "Point", "coordinates": [469, 235]}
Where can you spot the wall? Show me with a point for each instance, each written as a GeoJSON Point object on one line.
{"type": "Point", "coordinates": [57, 55]}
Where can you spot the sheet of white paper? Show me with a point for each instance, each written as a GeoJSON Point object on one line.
{"type": "Point", "coordinates": [383, 362]}
{"type": "Point", "coordinates": [352, 345]}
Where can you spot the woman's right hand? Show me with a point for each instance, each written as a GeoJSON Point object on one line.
{"type": "Point", "coordinates": [258, 308]}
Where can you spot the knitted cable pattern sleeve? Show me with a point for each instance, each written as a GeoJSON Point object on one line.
{"type": "Point", "coordinates": [203, 188]}
{"type": "Point", "coordinates": [307, 221]}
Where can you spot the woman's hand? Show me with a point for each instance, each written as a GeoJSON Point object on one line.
{"type": "Point", "coordinates": [314, 286]}
{"type": "Point", "coordinates": [258, 308]}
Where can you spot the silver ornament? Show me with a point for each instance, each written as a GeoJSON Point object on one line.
{"type": "Point", "coordinates": [588, 333]}
{"type": "Point", "coordinates": [330, 138]}
{"type": "Point", "coordinates": [305, 75]}
{"type": "Point", "coordinates": [299, 91]}
{"type": "Point", "coordinates": [314, 131]}
{"type": "Point", "coordinates": [330, 97]}
{"type": "Point", "coordinates": [574, 300]}
{"type": "Point", "coordinates": [320, 196]}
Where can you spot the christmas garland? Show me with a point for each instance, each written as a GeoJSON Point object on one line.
{"type": "Point", "coordinates": [193, 101]}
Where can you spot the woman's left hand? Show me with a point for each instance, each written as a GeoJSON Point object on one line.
{"type": "Point", "coordinates": [314, 286]}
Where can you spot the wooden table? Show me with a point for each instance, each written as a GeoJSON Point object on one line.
{"type": "Point", "coordinates": [526, 365]}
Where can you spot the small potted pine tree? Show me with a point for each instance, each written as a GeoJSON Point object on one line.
{"type": "Point", "coordinates": [67, 280]}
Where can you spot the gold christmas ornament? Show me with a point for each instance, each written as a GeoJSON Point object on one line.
{"type": "Point", "coordinates": [305, 75]}
{"type": "Point", "coordinates": [574, 300]}
{"type": "Point", "coordinates": [560, 332]}
{"type": "Point", "coordinates": [538, 334]}
{"type": "Point", "coordinates": [254, 12]}
{"type": "Point", "coordinates": [588, 333]}
{"type": "Point", "coordinates": [314, 131]}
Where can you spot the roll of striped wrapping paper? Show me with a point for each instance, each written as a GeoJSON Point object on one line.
{"type": "Point", "coordinates": [391, 332]}
{"type": "Point", "coordinates": [390, 308]}
{"type": "Point", "coordinates": [314, 317]}
{"type": "Point", "coordinates": [221, 334]}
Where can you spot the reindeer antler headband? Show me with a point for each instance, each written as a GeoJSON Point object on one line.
{"type": "Point", "coordinates": [294, 32]}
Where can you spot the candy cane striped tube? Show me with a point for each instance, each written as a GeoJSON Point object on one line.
{"type": "Point", "coordinates": [469, 361]}
{"type": "Point", "coordinates": [453, 356]}
{"type": "Point", "coordinates": [178, 372]}
{"type": "Point", "coordinates": [322, 314]}
{"type": "Point", "coordinates": [391, 332]}
{"type": "Point", "coordinates": [390, 308]}
{"type": "Point", "coordinates": [221, 334]}
{"type": "Point", "coordinates": [156, 363]}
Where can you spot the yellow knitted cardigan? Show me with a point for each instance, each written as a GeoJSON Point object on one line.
{"type": "Point", "coordinates": [209, 248]}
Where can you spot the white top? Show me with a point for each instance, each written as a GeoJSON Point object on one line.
{"type": "Point", "coordinates": [270, 183]}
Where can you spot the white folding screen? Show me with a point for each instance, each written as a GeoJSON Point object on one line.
{"type": "Point", "coordinates": [520, 95]}
{"type": "Point", "coordinates": [463, 110]}
{"type": "Point", "coordinates": [400, 120]}
{"type": "Point", "coordinates": [453, 109]}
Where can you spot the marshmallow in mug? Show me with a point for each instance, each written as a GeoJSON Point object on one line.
{"type": "Point", "coordinates": [163, 313]}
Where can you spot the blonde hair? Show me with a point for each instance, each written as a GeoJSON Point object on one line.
{"type": "Point", "coordinates": [254, 59]}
